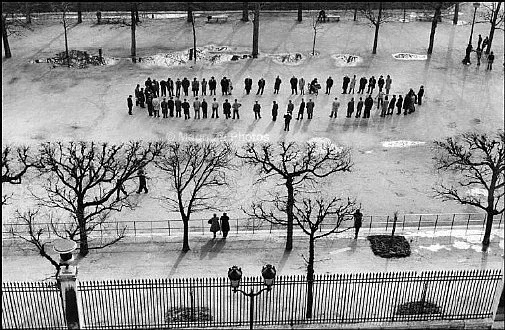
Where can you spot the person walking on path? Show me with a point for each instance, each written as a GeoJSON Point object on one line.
{"type": "Point", "coordinates": [345, 83]}
{"type": "Point", "coordinates": [178, 107]}
{"type": "Point", "coordinates": [275, 111]}
{"type": "Point", "coordinates": [301, 86]}
{"type": "Point", "coordinates": [329, 84]}
{"type": "Point", "coordinates": [294, 83]}
{"type": "Point", "coordinates": [350, 108]}
{"type": "Point", "coordinates": [196, 107]}
{"type": "Point", "coordinates": [359, 107]}
{"type": "Point", "coordinates": [142, 181]}
{"type": "Point", "coordinates": [215, 107]}
{"type": "Point", "coordinates": [277, 85]}
{"type": "Point", "coordinates": [391, 106]}
{"type": "Point", "coordinates": [368, 106]}
{"type": "Point", "coordinates": [399, 105]}
{"type": "Point", "coordinates": [120, 189]}
{"type": "Point", "coordinates": [490, 60]}
{"type": "Point", "coordinates": [235, 107]}
{"type": "Point", "coordinates": [248, 85]}
{"type": "Point", "coordinates": [420, 95]}
{"type": "Point", "coordinates": [300, 110]}
{"type": "Point", "coordinates": [310, 109]}
{"type": "Point", "coordinates": [261, 86]}
{"type": "Point", "coordinates": [227, 109]}
{"type": "Point", "coordinates": [358, 222]}
{"type": "Point", "coordinates": [225, 225]}
{"type": "Point", "coordinates": [389, 81]}
{"type": "Point", "coordinates": [479, 42]}
{"type": "Point", "coordinates": [204, 86]}
{"type": "Point", "coordinates": [334, 108]}
{"type": "Point", "coordinates": [352, 84]}
{"type": "Point", "coordinates": [485, 43]}
{"type": "Point", "coordinates": [204, 108]}
{"type": "Point", "coordinates": [214, 225]}
{"type": "Point", "coordinates": [185, 107]}
{"type": "Point", "coordinates": [212, 85]}
{"type": "Point", "coordinates": [256, 110]}
{"type": "Point", "coordinates": [129, 102]}
{"type": "Point", "coordinates": [287, 120]}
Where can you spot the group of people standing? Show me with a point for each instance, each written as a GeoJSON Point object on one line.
{"type": "Point", "coordinates": [481, 44]}
{"type": "Point", "coordinates": [150, 95]}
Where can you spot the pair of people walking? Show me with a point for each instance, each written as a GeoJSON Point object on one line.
{"type": "Point", "coordinates": [215, 226]}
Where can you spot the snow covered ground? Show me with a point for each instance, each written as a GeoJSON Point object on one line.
{"type": "Point", "coordinates": [43, 103]}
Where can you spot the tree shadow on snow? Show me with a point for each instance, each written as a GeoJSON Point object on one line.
{"type": "Point", "coordinates": [205, 249]}
{"type": "Point", "coordinates": [283, 260]}
{"type": "Point", "coordinates": [214, 251]}
{"type": "Point", "coordinates": [181, 256]}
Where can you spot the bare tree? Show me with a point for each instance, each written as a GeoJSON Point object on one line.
{"type": "Point", "coordinates": [197, 173]}
{"type": "Point", "coordinates": [434, 22]}
{"type": "Point", "coordinates": [5, 37]}
{"type": "Point", "coordinates": [133, 26]}
{"type": "Point", "coordinates": [84, 180]}
{"type": "Point", "coordinates": [295, 167]}
{"type": "Point", "coordinates": [311, 216]}
{"type": "Point", "coordinates": [64, 8]}
{"type": "Point", "coordinates": [14, 167]}
{"type": "Point", "coordinates": [493, 14]}
{"type": "Point", "coordinates": [79, 13]}
{"type": "Point", "coordinates": [194, 35]}
{"type": "Point", "coordinates": [478, 160]}
{"type": "Point", "coordinates": [256, 30]}
{"type": "Point", "coordinates": [190, 13]}
{"type": "Point", "coordinates": [300, 11]}
{"type": "Point", "coordinates": [376, 20]}
{"type": "Point", "coordinates": [316, 27]}
{"type": "Point", "coordinates": [456, 13]}
{"type": "Point", "coordinates": [28, 12]}
{"type": "Point", "coordinates": [245, 12]}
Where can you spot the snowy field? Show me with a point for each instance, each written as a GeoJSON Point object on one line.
{"type": "Point", "coordinates": [393, 158]}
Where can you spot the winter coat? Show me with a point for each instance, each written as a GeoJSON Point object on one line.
{"type": "Point", "coordinates": [277, 83]}
{"type": "Point", "coordinates": [301, 83]}
{"type": "Point", "coordinates": [195, 85]}
{"type": "Point", "coordinates": [275, 110]}
{"type": "Point", "coordinates": [302, 107]}
{"type": "Point", "coordinates": [214, 224]}
{"type": "Point", "coordinates": [293, 81]}
{"type": "Point", "coordinates": [310, 106]}
{"type": "Point", "coordinates": [212, 84]}
{"type": "Point", "coordinates": [389, 81]}
{"type": "Point", "coordinates": [225, 223]}
{"type": "Point", "coordinates": [329, 82]}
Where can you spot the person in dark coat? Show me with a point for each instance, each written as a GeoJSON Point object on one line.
{"type": "Point", "coordinates": [350, 108]}
{"type": "Point", "coordinates": [490, 60]}
{"type": "Point", "coordinates": [195, 86]}
{"type": "Point", "coordinates": [381, 83]}
{"type": "Point", "coordinates": [277, 85]}
{"type": "Point", "coordinates": [120, 189]}
{"type": "Point", "coordinates": [368, 106]}
{"type": "Point", "coordinates": [225, 225]}
{"type": "Point", "coordinates": [137, 92]}
{"type": "Point", "coordinates": [178, 84]}
{"type": "Point", "coordinates": [163, 85]}
{"type": "Point", "coordinates": [420, 95]}
{"type": "Point", "coordinates": [204, 106]}
{"type": "Point", "coordinates": [142, 98]}
{"type": "Point", "coordinates": [310, 108]}
{"type": "Point", "coordinates": [294, 85]}
{"type": "Point", "coordinates": [479, 42]}
{"type": "Point", "coordinates": [227, 109]}
{"type": "Point", "coordinates": [148, 82]}
{"type": "Point", "coordinates": [170, 87]}
{"type": "Point", "coordinates": [142, 181]}
{"type": "Point", "coordinates": [164, 108]}
{"type": "Point", "coordinates": [468, 51]}
{"type": "Point", "coordinates": [345, 83]}
{"type": "Point", "coordinates": [287, 120]}
{"type": "Point", "coordinates": [185, 107]}
{"type": "Point", "coordinates": [261, 86]}
{"type": "Point", "coordinates": [185, 86]}
{"type": "Point", "coordinates": [358, 222]}
{"type": "Point", "coordinates": [214, 225]}
{"type": "Point", "coordinates": [359, 107]}
{"type": "Point", "coordinates": [156, 88]}
{"type": "Point", "coordinates": [399, 105]}
{"type": "Point", "coordinates": [129, 101]}
{"type": "Point", "coordinates": [256, 110]}
{"type": "Point", "coordinates": [391, 107]}
{"type": "Point", "coordinates": [212, 85]}
{"type": "Point", "coordinates": [371, 85]}
{"type": "Point", "coordinates": [170, 105]}
{"type": "Point", "coordinates": [149, 101]}
{"type": "Point", "coordinates": [301, 109]}
{"type": "Point", "coordinates": [406, 103]}
{"type": "Point", "coordinates": [275, 111]}
{"type": "Point", "coordinates": [204, 86]}
{"type": "Point", "coordinates": [329, 84]}
{"type": "Point", "coordinates": [248, 85]}
{"type": "Point", "coordinates": [224, 86]}
{"type": "Point", "coordinates": [362, 85]}
{"type": "Point", "coordinates": [485, 43]}
{"type": "Point", "coordinates": [178, 107]}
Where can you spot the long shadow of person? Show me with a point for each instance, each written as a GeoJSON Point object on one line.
{"type": "Point", "coordinates": [206, 248]}
{"type": "Point", "coordinates": [269, 127]}
{"type": "Point", "coordinates": [214, 251]}
{"type": "Point", "coordinates": [181, 256]}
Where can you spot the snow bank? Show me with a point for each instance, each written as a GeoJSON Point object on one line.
{"type": "Point", "coordinates": [410, 57]}
{"type": "Point", "coordinates": [346, 59]}
{"type": "Point", "coordinates": [401, 144]}
{"type": "Point", "coordinates": [287, 58]}
{"type": "Point", "coordinates": [435, 247]}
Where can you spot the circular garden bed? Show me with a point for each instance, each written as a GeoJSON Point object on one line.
{"type": "Point", "coordinates": [387, 246]}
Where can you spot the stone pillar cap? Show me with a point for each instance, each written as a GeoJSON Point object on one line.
{"type": "Point", "coordinates": [63, 246]}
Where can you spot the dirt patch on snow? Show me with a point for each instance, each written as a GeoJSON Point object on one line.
{"type": "Point", "coordinates": [78, 58]}
{"type": "Point", "coordinates": [410, 57]}
{"type": "Point", "coordinates": [346, 59]}
{"type": "Point", "coordinates": [288, 58]}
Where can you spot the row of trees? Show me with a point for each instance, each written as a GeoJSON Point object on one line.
{"type": "Point", "coordinates": [82, 179]}
{"type": "Point", "coordinates": [376, 16]}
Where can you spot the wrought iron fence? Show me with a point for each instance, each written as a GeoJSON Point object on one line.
{"type": "Point", "coordinates": [160, 229]}
{"type": "Point", "coordinates": [210, 302]}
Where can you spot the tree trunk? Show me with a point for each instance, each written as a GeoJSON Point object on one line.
{"type": "Point", "coordinates": [194, 37]}
{"type": "Point", "coordinates": [310, 276]}
{"type": "Point", "coordinates": [314, 42]}
{"type": "Point", "coordinates": [79, 13]}
{"type": "Point", "coordinates": [185, 239]}
{"type": "Point", "coordinates": [245, 12]}
{"type": "Point", "coordinates": [493, 27]}
{"type": "Point", "coordinates": [28, 13]}
{"type": "Point", "coordinates": [289, 212]}
{"type": "Point", "coordinates": [299, 12]}
{"type": "Point", "coordinates": [434, 23]}
{"type": "Point", "coordinates": [377, 25]}
{"type": "Point", "coordinates": [134, 43]}
{"type": "Point", "coordinates": [355, 14]}
{"type": "Point", "coordinates": [456, 12]}
{"type": "Point", "coordinates": [256, 30]}
{"type": "Point", "coordinates": [7, 48]}
{"type": "Point", "coordinates": [66, 39]}
{"type": "Point", "coordinates": [190, 13]}
{"type": "Point", "coordinates": [83, 235]}
{"type": "Point", "coordinates": [489, 212]}
{"type": "Point", "coordinates": [395, 219]}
